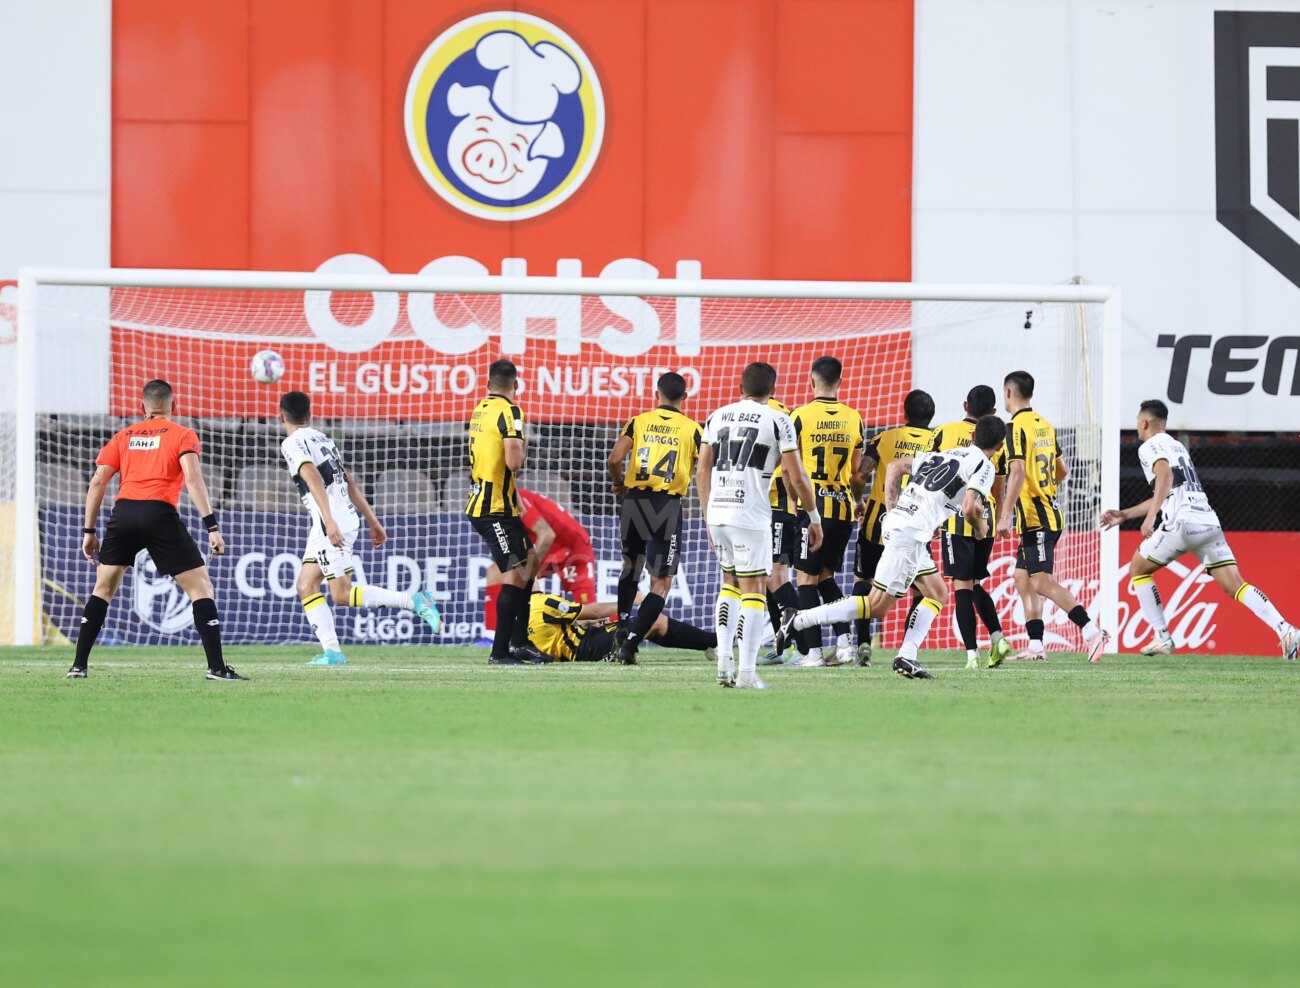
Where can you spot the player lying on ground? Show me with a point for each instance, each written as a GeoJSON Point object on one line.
{"type": "Point", "coordinates": [560, 630]}
{"type": "Point", "coordinates": [1178, 519]}
{"type": "Point", "coordinates": [154, 457]}
{"type": "Point", "coordinates": [562, 548]}
{"type": "Point", "coordinates": [663, 444]}
{"type": "Point", "coordinates": [831, 437]}
{"type": "Point", "coordinates": [966, 558]}
{"type": "Point", "coordinates": [1034, 472]}
{"type": "Point", "coordinates": [743, 443]}
{"type": "Point", "coordinates": [941, 484]}
{"type": "Point", "coordinates": [333, 502]}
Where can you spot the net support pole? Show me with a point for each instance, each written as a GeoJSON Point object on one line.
{"type": "Point", "coordinates": [1111, 414]}
{"type": "Point", "coordinates": [25, 514]}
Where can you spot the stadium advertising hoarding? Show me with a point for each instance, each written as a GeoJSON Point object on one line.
{"type": "Point", "coordinates": [255, 587]}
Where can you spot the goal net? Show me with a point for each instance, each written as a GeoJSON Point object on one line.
{"type": "Point", "coordinates": [394, 373]}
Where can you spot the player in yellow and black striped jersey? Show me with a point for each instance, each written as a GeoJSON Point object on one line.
{"type": "Point", "coordinates": [565, 631]}
{"type": "Point", "coordinates": [1035, 470]}
{"type": "Point", "coordinates": [496, 452]}
{"type": "Point", "coordinates": [966, 558]}
{"type": "Point", "coordinates": [831, 439]}
{"type": "Point", "coordinates": [786, 537]}
{"type": "Point", "coordinates": [663, 444]}
{"type": "Point", "coordinates": [881, 450]}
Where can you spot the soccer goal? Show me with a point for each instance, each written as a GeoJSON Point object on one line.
{"type": "Point", "coordinates": [395, 363]}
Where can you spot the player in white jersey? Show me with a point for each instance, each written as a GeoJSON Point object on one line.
{"type": "Point", "coordinates": [940, 485]}
{"type": "Point", "coordinates": [1177, 519]}
{"type": "Point", "coordinates": [742, 445]}
{"type": "Point", "coordinates": [333, 503]}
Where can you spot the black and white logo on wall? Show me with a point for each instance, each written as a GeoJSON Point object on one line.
{"type": "Point", "coordinates": [1257, 132]}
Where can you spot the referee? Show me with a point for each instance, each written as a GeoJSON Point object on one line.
{"type": "Point", "coordinates": [154, 458]}
{"type": "Point", "coordinates": [496, 452]}
{"type": "Point", "coordinates": [664, 445]}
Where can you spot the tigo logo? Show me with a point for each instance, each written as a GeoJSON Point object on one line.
{"type": "Point", "coordinates": [504, 116]}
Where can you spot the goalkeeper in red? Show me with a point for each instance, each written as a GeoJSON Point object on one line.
{"type": "Point", "coordinates": [333, 502]}
{"type": "Point", "coordinates": [1178, 519]}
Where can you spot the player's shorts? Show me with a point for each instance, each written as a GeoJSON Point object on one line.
{"type": "Point", "coordinates": [866, 557]}
{"type": "Point", "coordinates": [154, 526]}
{"type": "Point", "coordinates": [830, 554]}
{"type": "Point", "coordinates": [507, 540]}
{"type": "Point", "coordinates": [1205, 542]}
{"type": "Point", "coordinates": [334, 560]}
{"type": "Point", "coordinates": [597, 642]}
{"type": "Point", "coordinates": [965, 558]}
{"type": "Point", "coordinates": [747, 551]}
{"type": "Point", "coordinates": [903, 560]}
{"type": "Point", "coordinates": [786, 530]}
{"type": "Point", "coordinates": [578, 579]}
{"type": "Point", "coordinates": [650, 527]}
{"type": "Point", "coordinates": [1037, 552]}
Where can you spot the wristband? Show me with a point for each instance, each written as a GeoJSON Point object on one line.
{"type": "Point", "coordinates": [814, 518]}
{"type": "Point", "coordinates": [210, 522]}
{"type": "Point", "coordinates": [87, 531]}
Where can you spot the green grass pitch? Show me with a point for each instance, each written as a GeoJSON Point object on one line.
{"type": "Point", "coordinates": [419, 818]}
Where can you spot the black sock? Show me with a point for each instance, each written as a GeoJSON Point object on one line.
{"type": "Point", "coordinates": [773, 610]}
{"type": "Point", "coordinates": [964, 606]}
{"type": "Point", "coordinates": [782, 597]}
{"type": "Point", "coordinates": [1079, 616]}
{"type": "Point", "coordinates": [830, 591]}
{"type": "Point", "coordinates": [208, 625]}
{"type": "Point", "coordinates": [652, 605]}
{"type": "Point", "coordinates": [519, 636]}
{"type": "Point", "coordinates": [1034, 628]}
{"type": "Point", "coordinates": [627, 586]}
{"type": "Point", "coordinates": [92, 619]}
{"type": "Point", "coordinates": [988, 612]}
{"type": "Point", "coordinates": [509, 603]}
{"type": "Point", "coordinates": [862, 626]}
{"type": "Point", "coordinates": [810, 637]}
{"type": "Point", "coordinates": [683, 635]}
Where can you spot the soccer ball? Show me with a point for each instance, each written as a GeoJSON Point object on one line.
{"type": "Point", "coordinates": [267, 367]}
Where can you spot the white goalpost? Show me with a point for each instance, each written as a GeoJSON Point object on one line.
{"type": "Point", "coordinates": [394, 363]}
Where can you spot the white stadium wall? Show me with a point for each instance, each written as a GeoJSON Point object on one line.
{"type": "Point", "coordinates": [1055, 138]}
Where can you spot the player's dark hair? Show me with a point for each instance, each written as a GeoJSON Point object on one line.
{"type": "Point", "coordinates": [758, 380]}
{"type": "Point", "coordinates": [156, 392]}
{"type": "Point", "coordinates": [981, 401]}
{"type": "Point", "coordinates": [990, 433]}
{"type": "Point", "coordinates": [296, 407]}
{"type": "Point", "coordinates": [1156, 408]}
{"type": "Point", "coordinates": [918, 408]}
{"type": "Point", "coordinates": [502, 375]}
{"type": "Point", "coordinates": [828, 370]}
{"type": "Point", "coordinates": [1022, 382]}
{"type": "Point", "coordinates": [671, 387]}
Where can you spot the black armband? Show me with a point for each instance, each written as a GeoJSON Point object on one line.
{"type": "Point", "coordinates": [87, 531]}
{"type": "Point", "coordinates": [210, 522]}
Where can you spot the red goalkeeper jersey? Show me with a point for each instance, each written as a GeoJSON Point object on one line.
{"type": "Point", "coordinates": [571, 539]}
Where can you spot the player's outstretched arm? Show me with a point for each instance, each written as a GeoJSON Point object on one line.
{"type": "Point", "coordinates": [192, 471]}
{"type": "Point", "coordinates": [597, 612]}
{"type": "Point", "coordinates": [1164, 483]}
{"type": "Point", "coordinates": [378, 534]}
{"type": "Point", "coordinates": [543, 536]}
{"type": "Point", "coordinates": [312, 478]}
{"type": "Point", "coordinates": [614, 464]}
{"type": "Point", "coordinates": [894, 480]}
{"type": "Point", "coordinates": [1117, 516]}
{"type": "Point", "coordinates": [95, 500]}
{"type": "Point", "coordinates": [792, 469]}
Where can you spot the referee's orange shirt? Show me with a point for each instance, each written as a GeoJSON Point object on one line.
{"type": "Point", "coordinates": [148, 456]}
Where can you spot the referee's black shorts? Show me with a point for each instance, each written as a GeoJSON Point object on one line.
{"type": "Point", "coordinates": [650, 527]}
{"type": "Point", "coordinates": [154, 526]}
{"type": "Point", "coordinates": [786, 533]}
{"type": "Point", "coordinates": [507, 540]}
{"type": "Point", "coordinates": [964, 557]}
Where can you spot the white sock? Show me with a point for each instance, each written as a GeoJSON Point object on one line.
{"type": "Point", "coordinates": [844, 609]}
{"type": "Point", "coordinates": [726, 618]}
{"type": "Point", "coordinates": [1090, 631]}
{"type": "Point", "coordinates": [919, 627]}
{"type": "Point", "coordinates": [1036, 646]}
{"type": "Point", "coordinates": [318, 612]}
{"type": "Point", "coordinates": [1148, 595]}
{"type": "Point", "coordinates": [844, 641]}
{"type": "Point", "coordinates": [995, 637]}
{"type": "Point", "coordinates": [368, 596]}
{"type": "Point", "coordinates": [753, 615]}
{"type": "Point", "coordinates": [972, 654]}
{"type": "Point", "coordinates": [1262, 608]}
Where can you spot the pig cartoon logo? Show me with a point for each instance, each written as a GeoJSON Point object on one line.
{"type": "Point", "coordinates": [504, 116]}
